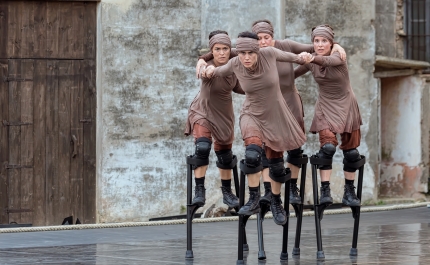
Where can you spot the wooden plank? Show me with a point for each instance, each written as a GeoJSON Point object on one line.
{"type": "Point", "coordinates": [90, 100]}
{"type": "Point", "coordinates": [52, 196]}
{"type": "Point", "coordinates": [27, 30]}
{"type": "Point", "coordinates": [394, 73]}
{"type": "Point", "coordinates": [4, 17]}
{"type": "Point", "coordinates": [14, 31]}
{"type": "Point", "coordinates": [52, 29]}
{"type": "Point", "coordinates": [40, 28]}
{"type": "Point", "coordinates": [77, 38]}
{"type": "Point", "coordinates": [14, 175]}
{"type": "Point", "coordinates": [39, 149]}
{"type": "Point", "coordinates": [65, 82]}
{"type": "Point", "coordinates": [65, 33]}
{"type": "Point", "coordinates": [76, 164]}
{"type": "Point", "coordinates": [26, 158]}
{"type": "Point", "coordinates": [4, 141]}
{"type": "Point", "coordinates": [90, 30]}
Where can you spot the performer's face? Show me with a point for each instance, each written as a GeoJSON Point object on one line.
{"type": "Point", "coordinates": [221, 54]}
{"type": "Point", "coordinates": [248, 58]}
{"type": "Point", "coordinates": [264, 39]}
{"type": "Point", "coordinates": [322, 46]}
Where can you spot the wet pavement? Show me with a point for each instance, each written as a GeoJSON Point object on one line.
{"type": "Point", "coordinates": [390, 237]}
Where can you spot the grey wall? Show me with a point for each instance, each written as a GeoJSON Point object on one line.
{"type": "Point", "coordinates": [147, 51]}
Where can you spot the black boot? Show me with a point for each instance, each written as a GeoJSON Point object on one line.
{"type": "Point", "coordinates": [349, 196]}
{"type": "Point", "coordinates": [252, 206]}
{"type": "Point", "coordinates": [325, 195]}
{"type": "Point", "coordinates": [294, 194]}
{"type": "Point", "coordinates": [229, 198]}
{"type": "Point", "coordinates": [267, 197]}
{"type": "Point", "coordinates": [279, 214]}
{"type": "Point", "coordinates": [199, 195]}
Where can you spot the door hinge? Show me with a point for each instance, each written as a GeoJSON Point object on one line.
{"type": "Point", "coordinates": [16, 79]}
{"type": "Point", "coordinates": [17, 166]}
{"type": "Point", "coordinates": [6, 123]}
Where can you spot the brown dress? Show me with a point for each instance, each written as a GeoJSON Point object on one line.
{"type": "Point", "coordinates": [336, 108]}
{"type": "Point", "coordinates": [213, 108]}
{"type": "Point", "coordinates": [264, 112]}
{"type": "Point", "coordinates": [286, 76]}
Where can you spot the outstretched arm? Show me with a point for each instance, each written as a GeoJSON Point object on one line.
{"type": "Point", "coordinates": [300, 70]}
{"type": "Point", "coordinates": [221, 71]}
{"type": "Point", "coordinates": [207, 57]}
{"type": "Point", "coordinates": [332, 60]}
{"type": "Point", "coordinates": [282, 56]}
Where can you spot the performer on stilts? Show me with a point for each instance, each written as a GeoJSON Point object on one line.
{"type": "Point", "coordinates": [265, 120]}
{"type": "Point", "coordinates": [211, 117]}
{"type": "Point", "coordinates": [336, 112]}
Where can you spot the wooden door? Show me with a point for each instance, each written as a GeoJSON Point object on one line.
{"type": "Point", "coordinates": [48, 119]}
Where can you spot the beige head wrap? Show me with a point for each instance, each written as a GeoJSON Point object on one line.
{"type": "Point", "coordinates": [324, 31]}
{"type": "Point", "coordinates": [220, 39]}
{"type": "Point", "coordinates": [263, 27]}
{"type": "Point", "coordinates": [247, 44]}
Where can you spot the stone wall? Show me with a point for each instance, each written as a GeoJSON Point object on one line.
{"type": "Point", "coordinates": [147, 51]}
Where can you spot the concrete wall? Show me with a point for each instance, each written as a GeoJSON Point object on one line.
{"type": "Point", "coordinates": [147, 51]}
{"type": "Point", "coordinates": [404, 135]}
{"type": "Point", "coordinates": [389, 27]}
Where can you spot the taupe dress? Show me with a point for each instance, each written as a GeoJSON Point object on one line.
{"type": "Point", "coordinates": [336, 108]}
{"type": "Point", "coordinates": [264, 112]}
{"type": "Point", "coordinates": [213, 107]}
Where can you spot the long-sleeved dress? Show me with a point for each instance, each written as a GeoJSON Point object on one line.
{"type": "Point", "coordinates": [286, 76]}
{"type": "Point", "coordinates": [336, 108]}
{"type": "Point", "coordinates": [213, 108]}
{"type": "Point", "coordinates": [264, 112]}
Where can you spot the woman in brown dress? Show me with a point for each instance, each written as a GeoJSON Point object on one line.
{"type": "Point", "coordinates": [336, 111]}
{"type": "Point", "coordinates": [211, 116]}
{"type": "Point", "coordinates": [265, 119]}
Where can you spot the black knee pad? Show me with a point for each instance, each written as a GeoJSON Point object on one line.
{"type": "Point", "coordinates": [326, 152]}
{"type": "Point", "coordinates": [253, 155]}
{"type": "Point", "coordinates": [277, 170]}
{"type": "Point", "coordinates": [351, 155]}
{"type": "Point", "coordinates": [264, 160]}
{"type": "Point", "coordinates": [296, 153]}
{"type": "Point", "coordinates": [203, 149]}
{"type": "Point", "coordinates": [225, 157]}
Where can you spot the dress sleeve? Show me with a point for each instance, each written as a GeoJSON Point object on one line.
{"type": "Point", "coordinates": [300, 70]}
{"type": "Point", "coordinates": [224, 70]}
{"type": "Point", "coordinates": [331, 60]}
{"type": "Point", "coordinates": [297, 47]}
{"type": "Point", "coordinates": [289, 57]}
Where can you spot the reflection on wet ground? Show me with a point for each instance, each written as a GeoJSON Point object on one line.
{"type": "Point", "coordinates": [395, 237]}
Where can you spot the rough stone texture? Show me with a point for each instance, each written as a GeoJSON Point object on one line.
{"type": "Point", "coordinates": [404, 136]}
{"type": "Point", "coordinates": [388, 22]}
{"type": "Point", "coordinates": [353, 27]}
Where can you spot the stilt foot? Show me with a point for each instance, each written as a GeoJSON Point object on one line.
{"type": "Point", "coordinates": [353, 252]}
{"type": "Point", "coordinates": [296, 251]}
{"type": "Point", "coordinates": [261, 255]}
{"type": "Point", "coordinates": [189, 254]}
{"type": "Point", "coordinates": [284, 256]}
{"type": "Point", "coordinates": [320, 254]}
{"type": "Point", "coordinates": [245, 247]}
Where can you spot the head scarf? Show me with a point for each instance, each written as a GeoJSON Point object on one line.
{"type": "Point", "coordinates": [220, 39]}
{"type": "Point", "coordinates": [323, 31]}
{"type": "Point", "coordinates": [263, 27]}
{"type": "Point", "coordinates": [247, 44]}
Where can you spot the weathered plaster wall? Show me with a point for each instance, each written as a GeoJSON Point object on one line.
{"type": "Point", "coordinates": [353, 23]}
{"type": "Point", "coordinates": [403, 141]}
{"type": "Point", "coordinates": [147, 51]}
{"type": "Point", "coordinates": [389, 28]}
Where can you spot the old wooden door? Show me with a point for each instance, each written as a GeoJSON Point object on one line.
{"type": "Point", "coordinates": [47, 111]}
